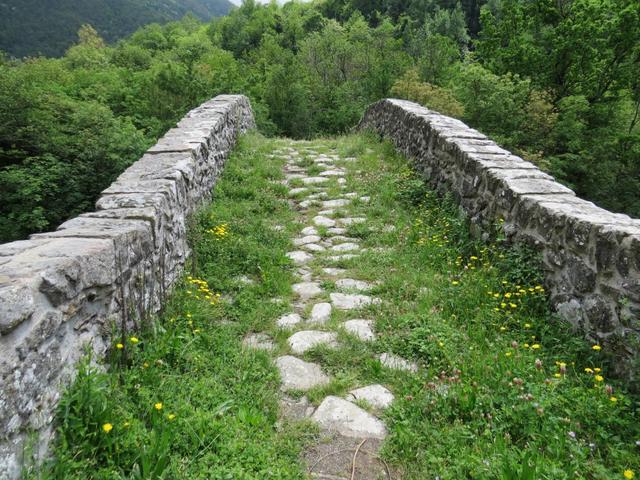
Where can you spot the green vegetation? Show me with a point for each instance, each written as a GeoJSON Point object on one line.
{"type": "Point", "coordinates": [555, 82]}
{"type": "Point", "coordinates": [182, 398]}
{"type": "Point", "coordinates": [34, 27]}
{"type": "Point", "coordinates": [502, 392]}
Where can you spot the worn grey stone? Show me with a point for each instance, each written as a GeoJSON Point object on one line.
{"type": "Point", "coordinates": [334, 272]}
{"type": "Point", "coordinates": [340, 202]}
{"type": "Point", "coordinates": [61, 291]}
{"type": "Point", "coordinates": [306, 239]}
{"type": "Point", "coordinates": [586, 250]}
{"type": "Point", "coordinates": [320, 313]}
{"type": "Point", "coordinates": [297, 374]}
{"type": "Point", "coordinates": [299, 257]}
{"type": "Point", "coordinates": [321, 221]}
{"type": "Point", "coordinates": [345, 247]}
{"type": "Point", "coordinates": [342, 416]}
{"type": "Point", "coordinates": [355, 285]}
{"type": "Point", "coordinates": [363, 329]}
{"type": "Point", "coordinates": [305, 340]}
{"type": "Point", "coordinates": [306, 290]}
{"type": "Point", "coordinates": [351, 221]}
{"type": "Point", "coordinates": [314, 180]}
{"type": "Point", "coordinates": [375, 395]}
{"type": "Point", "coordinates": [306, 231]}
{"type": "Point", "coordinates": [289, 320]}
{"type": "Point", "coordinates": [344, 301]}
{"type": "Point", "coordinates": [314, 247]}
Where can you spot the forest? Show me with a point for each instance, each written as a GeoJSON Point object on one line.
{"type": "Point", "coordinates": [555, 81]}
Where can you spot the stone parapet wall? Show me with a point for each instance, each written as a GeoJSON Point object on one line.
{"type": "Point", "coordinates": [65, 291]}
{"type": "Point", "coordinates": [591, 256]}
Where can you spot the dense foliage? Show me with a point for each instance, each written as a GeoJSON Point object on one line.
{"type": "Point", "coordinates": [556, 82]}
{"type": "Point", "coordinates": [33, 27]}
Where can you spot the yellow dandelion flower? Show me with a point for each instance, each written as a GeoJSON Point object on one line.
{"type": "Point", "coordinates": [597, 348]}
{"type": "Point", "coordinates": [119, 346]}
{"type": "Point", "coordinates": [158, 406]}
{"type": "Point", "coordinates": [455, 282]}
{"type": "Point", "coordinates": [588, 370]}
{"type": "Point", "coordinates": [508, 354]}
{"type": "Point", "coordinates": [171, 416]}
{"type": "Point", "coordinates": [557, 375]}
{"type": "Point", "coordinates": [527, 325]}
{"type": "Point", "coordinates": [599, 378]}
{"type": "Point", "coordinates": [613, 399]}
{"type": "Point", "coordinates": [628, 474]}
{"type": "Point", "coordinates": [134, 340]}
{"type": "Point", "coordinates": [597, 370]}
{"type": "Point", "coordinates": [535, 346]}
{"type": "Point", "coordinates": [107, 427]}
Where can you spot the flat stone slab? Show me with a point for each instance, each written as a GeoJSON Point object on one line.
{"type": "Point", "coordinates": [305, 340]}
{"type": "Point", "coordinates": [296, 191]}
{"type": "Point", "coordinates": [306, 239]}
{"type": "Point", "coordinates": [332, 173]}
{"type": "Point", "coordinates": [309, 231]}
{"type": "Point", "coordinates": [288, 321]}
{"type": "Point", "coordinates": [337, 230]}
{"type": "Point", "coordinates": [299, 257]}
{"type": "Point", "coordinates": [306, 290]}
{"type": "Point", "coordinates": [345, 301]}
{"type": "Point", "coordinates": [345, 247]}
{"type": "Point", "coordinates": [351, 284]}
{"type": "Point", "coordinates": [258, 341]}
{"type": "Point", "coordinates": [363, 329]}
{"type": "Point", "coordinates": [395, 362]}
{"type": "Point", "coordinates": [321, 221]}
{"type": "Point", "coordinates": [342, 416]}
{"type": "Point", "coordinates": [334, 272]}
{"type": "Point", "coordinates": [320, 313]}
{"type": "Point", "coordinates": [314, 180]}
{"type": "Point", "coordinates": [297, 374]}
{"type": "Point", "coordinates": [314, 247]}
{"type": "Point", "coordinates": [351, 220]}
{"type": "Point", "coordinates": [375, 395]}
{"type": "Point", "coordinates": [339, 202]}
{"type": "Point", "coordinates": [344, 256]}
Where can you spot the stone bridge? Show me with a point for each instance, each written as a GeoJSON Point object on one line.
{"type": "Point", "coordinates": [64, 293]}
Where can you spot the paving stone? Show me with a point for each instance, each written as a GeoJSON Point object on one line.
{"type": "Point", "coordinates": [351, 220]}
{"type": "Point", "coordinates": [334, 272]}
{"type": "Point", "coordinates": [314, 247]}
{"type": "Point", "coordinates": [339, 258]}
{"type": "Point", "coordinates": [395, 362]}
{"type": "Point", "coordinates": [342, 181]}
{"type": "Point", "coordinates": [305, 340]}
{"type": "Point", "coordinates": [365, 199]}
{"type": "Point", "coordinates": [307, 203]}
{"type": "Point", "coordinates": [350, 195]}
{"type": "Point", "coordinates": [340, 202]}
{"type": "Point", "coordinates": [295, 191]}
{"type": "Point", "coordinates": [320, 313]}
{"type": "Point", "coordinates": [351, 284]}
{"type": "Point", "coordinates": [345, 247]}
{"type": "Point", "coordinates": [299, 257]}
{"type": "Point", "coordinates": [314, 180]}
{"type": "Point", "coordinates": [363, 329]}
{"type": "Point", "coordinates": [321, 221]}
{"type": "Point", "coordinates": [342, 416]}
{"type": "Point", "coordinates": [332, 173]}
{"type": "Point", "coordinates": [337, 230]}
{"type": "Point", "coordinates": [297, 374]}
{"type": "Point", "coordinates": [306, 290]}
{"type": "Point", "coordinates": [258, 341]}
{"type": "Point", "coordinates": [306, 231]}
{"type": "Point", "coordinates": [325, 213]}
{"type": "Point", "coordinates": [375, 395]}
{"type": "Point", "coordinates": [342, 239]}
{"type": "Point", "coordinates": [345, 301]}
{"type": "Point", "coordinates": [318, 195]}
{"type": "Point", "coordinates": [293, 176]}
{"type": "Point", "coordinates": [306, 239]}
{"type": "Point", "coordinates": [288, 321]}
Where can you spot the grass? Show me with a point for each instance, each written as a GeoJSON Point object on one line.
{"type": "Point", "coordinates": [504, 390]}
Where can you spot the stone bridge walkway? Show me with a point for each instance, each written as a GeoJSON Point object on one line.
{"type": "Point", "coordinates": [351, 427]}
